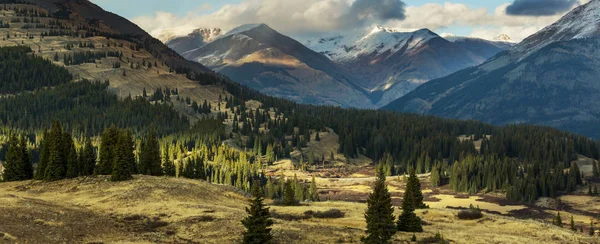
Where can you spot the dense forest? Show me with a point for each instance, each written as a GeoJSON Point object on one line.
{"type": "Point", "coordinates": [39, 72]}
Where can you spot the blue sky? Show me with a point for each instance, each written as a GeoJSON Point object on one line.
{"type": "Point", "coordinates": [478, 18]}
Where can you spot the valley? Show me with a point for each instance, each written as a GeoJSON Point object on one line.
{"type": "Point", "coordinates": [109, 136]}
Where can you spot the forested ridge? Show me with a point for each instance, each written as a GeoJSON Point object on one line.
{"type": "Point", "coordinates": [520, 160]}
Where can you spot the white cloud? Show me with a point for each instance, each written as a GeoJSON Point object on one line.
{"type": "Point", "coordinates": [297, 17]}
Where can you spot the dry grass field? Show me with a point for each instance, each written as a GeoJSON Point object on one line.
{"type": "Point", "coordinates": [173, 210]}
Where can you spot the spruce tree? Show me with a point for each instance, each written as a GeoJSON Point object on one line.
{"type": "Point", "coordinates": [289, 198]}
{"type": "Point", "coordinates": [13, 170]}
{"type": "Point", "coordinates": [168, 165]}
{"type": "Point", "coordinates": [150, 161]}
{"type": "Point", "coordinates": [44, 154]}
{"type": "Point", "coordinates": [573, 228]}
{"type": "Point", "coordinates": [558, 220]}
{"type": "Point", "coordinates": [408, 221]}
{"type": "Point", "coordinates": [110, 138]}
{"type": "Point", "coordinates": [592, 231]}
{"type": "Point", "coordinates": [87, 158]}
{"type": "Point", "coordinates": [72, 165]}
{"type": "Point", "coordinates": [57, 158]}
{"type": "Point", "coordinates": [379, 215]}
{"type": "Point", "coordinates": [435, 176]}
{"type": "Point", "coordinates": [312, 191]}
{"type": "Point", "coordinates": [595, 169]}
{"type": "Point", "coordinates": [26, 165]}
{"type": "Point", "coordinates": [413, 187]}
{"type": "Point", "coordinates": [258, 221]}
{"type": "Point", "coordinates": [123, 154]}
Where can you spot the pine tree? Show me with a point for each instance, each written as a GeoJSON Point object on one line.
{"type": "Point", "coordinates": [122, 158]}
{"type": "Point", "coordinates": [592, 231]}
{"type": "Point", "coordinates": [27, 166]}
{"type": "Point", "coordinates": [558, 220]}
{"type": "Point", "coordinates": [87, 158]}
{"type": "Point", "coordinates": [317, 137]}
{"type": "Point", "coordinates": [44, 154]}
{"type": "Point", "coordinates": [379, 215]}
{"type": "Point", "coordinates": [71, 157]}
{"type": "Point", "coordinates": [312, 191]}
{"type": "Point", "coordinates": [108, 144]}
{"type": "Point", "coordinates": [408, 221]}
{"type": "Point", "coordinates": [435, 176]}
{"type": "Point", "coordinates": [258, 221]}
{"type": "Point", "coordinates": [595, 169]}
{"type": "Point", "coordinates": [13, 170]}
{"type": "Point", "coordinates": [413, 187]}
{"type": "Point", "coordinates": [56, 167]}
{"type": "Point", "coordinates": [150, 162]}
{"type": "Point", "coordinates": [573, 228]}
{"type": "Point", "coordinates": [289, 198]}
{"type": "Point", "coordinates": [168, 165]}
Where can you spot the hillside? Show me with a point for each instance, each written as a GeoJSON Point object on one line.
{"type": "Point", "coordinates": [548, 79]}
{"type": "Point", "coordinates": [145, 62]}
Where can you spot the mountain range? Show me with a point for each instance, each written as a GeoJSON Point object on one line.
{"type": "Point", "coordinates": [550, 78]}
{"type": "Point", "coordinates": [362, 68]}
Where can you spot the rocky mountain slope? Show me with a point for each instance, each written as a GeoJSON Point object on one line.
{"type": "Point", "coordinates": [391, 63]}
{"type": "Point", "coordinates": [549, 79]}
{"type": "Point", "coordinates": [375, 66]}
{"type": "Point", "coordinates": [197, 38]}
{"type": "Point", "coordinates": [263, 59]}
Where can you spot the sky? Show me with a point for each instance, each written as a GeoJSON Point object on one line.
{"type": "Point", "coordinates": [301, 18]}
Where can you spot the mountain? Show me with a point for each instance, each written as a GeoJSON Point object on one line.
{"type": "Point", "coordinates": [275, 64]}
{"type": "Point", "coordinates": [481, 47]}
{"type": "Point", "coordinates": [197, 38]}
{"type": "Point", "coordinates": [549, 79]}
{"type": "Point", "coordinates": [391, 63]}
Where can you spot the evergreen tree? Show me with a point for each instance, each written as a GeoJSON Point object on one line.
{"type": "Point", "coordinates": [27, 166]}
{"type": "Point", "coordinates": [595, 170]}
{"type": "Point", "coordinates": [123, 157]}
{"type": "Point", "coordinates": [413, 187]}
{"type": "Point", "coordinates": [558, 220]}
{"type": "Point", "coordinates": [289, 198]}
{"type": "Point", "coordinates": [72, 163]}
{"type": "Point", "coordinates": [573, 228]}
{"type": "Point", "coordinates": [44, 154]}
{"type": "Point", "coordinates": [408, 221]}
{"type": "Point", "coordinates": [379, 214]}
{"type": "Point", "coordinates": [87, 158]}
{"type": "Point", "coordinates": [150, 162]}
{"type": "Point", "coordinates": [592, 231]}
{"type": "Point", "coordinates": [108, 144]}
{"type": "Point", "coordinates": [312, 191]}
{"type": "Point", "coordinates": [13, 169]}
{"type": "Point", "coordinates": [57, 158]}
{"type": "Point", "coordinates": [169, 166]}
{"type": "Point", "coordinates": [435, 176]}
{"type": "Point", "coordinates": [258, 221]}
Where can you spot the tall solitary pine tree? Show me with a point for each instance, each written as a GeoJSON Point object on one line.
{"type": "Point", "coordinates": [379, 214]}
{"type": "Point", "coordinates": [258, 221]}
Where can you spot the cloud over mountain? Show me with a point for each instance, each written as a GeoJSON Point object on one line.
{"type": "Point", "coordinates": [540, 7]}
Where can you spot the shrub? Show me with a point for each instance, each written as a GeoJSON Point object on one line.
{"type": "Point", "coordinates": [470, 214]}
{"type": "Point", "coordinates": [329, 214]}
{"type": "Point", "coordinates": [288, 217]}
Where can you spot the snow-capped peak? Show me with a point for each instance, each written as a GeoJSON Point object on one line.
{"type": "Point", "coordinates": [581, 22]}
{"type": "Point", "coordinates": [373, 40]}
{"type": "Point", "coordinates": [502, 38]}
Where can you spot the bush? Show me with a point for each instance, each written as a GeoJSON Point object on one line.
{"type": "Point", "coordinates": [288, 217]}
{"type": "Point", "coordinates": [329, 214]}
{"type": "Point", "coordinates": [470, 214]}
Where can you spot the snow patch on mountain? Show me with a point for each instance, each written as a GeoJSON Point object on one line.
{"type": "Point", "coordinates": [582, 22]}
{"type": "Point", "coordinates": [375, 40]}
